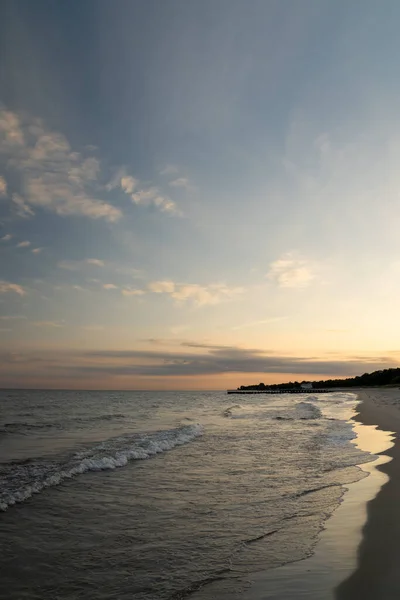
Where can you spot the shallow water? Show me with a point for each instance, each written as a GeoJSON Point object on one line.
{"type": "Point", "coordinates": [154, 495]}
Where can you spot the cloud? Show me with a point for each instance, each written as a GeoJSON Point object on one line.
{"type": "Point", "coordinates": [115, 181]}
{"type": "Point", "coordinates": [131, 271]}
{"type": "Point", "coordinates": [132, 292]}
{"type": "Point", "coordinates": [152, 197]}
{"type": "Point", "coordinates": [48, 324]}
{"type": "Point", "coordinates": [21, 207]}
{"type": "Point", "coordinates": [3, 186]}
{"type": "Point", "coordinates": [78, 265]}
{"type": "Point", "coordinates": [36, 250]}
{"type": "Point", "coordinates": [87, 171]}
{"type": "Point", "coordinates": [203, 295]}
{"type": "Point", "coordinates": [93, 327]}
{"type": "Point", "coordinates": [12, 317]}
{"type": "Point", "coordinates": [176, 181]}
{"type": "Point", "coordinates": [95, 261]}
{"type": "Point", "coordinates": [110, 286]}
{"type": "Point", "coordinates": [6, 238]}
{"type": "Point", "coordinates": [6, 286]}
{"type": "Point", "coordinates": [189, 359]}
{"type": "Point", "coordinates": [50, 192]}
{"type": "Point", "coordinates": [128, 184]}
{"type": "Point", "coordinates": [23, 244]}
{"type": "Point", "coordinates": [10, 128]}
{"type": "Point", "coordinates": [199, 295]}
{"type": "Point", "coordinates": [162, 287]}
{"type": "Point", "coordinates": [291, 271]}
{"type": "Point", "coordinates": [181, 182]}
{"type": "Point", "coordinates": [207, 359]}
{"type": "Point", "coordinates": [169, 170]}
{"type": "Point", "coordinates": [258, 323]}
{"type": "Point", "coordinates": [52, 176]}
{"type": "Point", "coordinates": [142, 196]}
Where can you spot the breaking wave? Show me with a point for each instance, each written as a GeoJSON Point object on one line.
{"type": "Point", "coordinates": [228, 412]}
{"type": "Point", "coordinates": [20, 480]}
{"type": "Point", "coordinates": [301, 411]}
{"type": "Point", "coordinates": [297, 411]}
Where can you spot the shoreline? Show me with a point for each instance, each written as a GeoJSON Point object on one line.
{"type": "Point", "coordinates": [334, 570]}
{"type": "Point", "coordinates": [378, 555]}
{"type": "Point", "coordinates": [334, 558]}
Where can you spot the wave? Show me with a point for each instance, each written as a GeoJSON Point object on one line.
{"type": "Point", "coordinates": [340, 434]}
{"type": "Point", "coordinates": [299, 411]}
{"type": "Point", "coordinates": [20, 481]}
{"type": "Point", "coordinates": [228, 412]}
{"type": "Point", "coordinates": [302, 411]}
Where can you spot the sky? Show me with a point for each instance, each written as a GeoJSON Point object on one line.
{"type": "Point", "coordinates": [198, 194]}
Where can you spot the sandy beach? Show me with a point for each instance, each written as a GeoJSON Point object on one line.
{"type": "Point", "coordinates": [377, 574]}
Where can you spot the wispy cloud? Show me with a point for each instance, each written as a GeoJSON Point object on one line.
{"type": "Point", "coordinates": [199, 295]}
{"type": "Point", "coordinates": [52, 176]}
{"type": "Point", "coordinates": [153, 197]}
{"type": "Point", "coordinates": [181, 182]}
{"type": "Point", "coordinates": [3, 186]}
{"type": "Point", "coordinates": [6, 238]}
{"type": "Point", "coordinates": [143, 195]}
{"type": "Point", "coordinates": [258, 323]}
{"type": "Point", "coordinates": [95, 261]}
{"type": "Point", "coordinates": [132, 292]}
{"type": "Point", "coordinates": [24, 244]}
{"type": "Point", "coordinates": [6, 286]}
{"type": "Point", "coordinates": [55, 324]}
{"type": "Point", "coordinates": [12, 317]}
{"type": "Point", "coordinates": [169, 170]}
{"type": "Point", "coordinates": [78, 265]}
{"type": "Point", "coordinates": [110, 286]}
{"type": "Point", "coordinates": [162, 287]}
{"type": "Point", "coordinates": [176, 179]}
{"type": "Point", "coordinates": [36, 250]}
{"type": "Point", "coordinates": [292, 271]}
{"type": "Point", "coordinates": [21, 207]}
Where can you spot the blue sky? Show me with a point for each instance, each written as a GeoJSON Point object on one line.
{"type": "Point", "coordinates": [197, 194]}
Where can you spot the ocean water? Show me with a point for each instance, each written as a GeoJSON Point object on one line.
{"type": "Point", "coordinates": [155, 495]}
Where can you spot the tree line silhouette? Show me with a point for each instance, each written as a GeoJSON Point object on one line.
{"type": "Point", "coordinates": [377, 379]}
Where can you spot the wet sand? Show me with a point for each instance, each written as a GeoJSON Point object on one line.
{"type": "Point", "coordinates": [377, 575]}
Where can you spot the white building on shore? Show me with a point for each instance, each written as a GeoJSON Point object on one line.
{"type": "Point", "coordinates": [306, 386]}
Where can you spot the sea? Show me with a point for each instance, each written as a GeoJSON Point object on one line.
{"type": "Point", "coordinates": [159, 495]}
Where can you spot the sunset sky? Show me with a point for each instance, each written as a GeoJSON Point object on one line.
{"type": "Point", "coordinates": [198, 194]}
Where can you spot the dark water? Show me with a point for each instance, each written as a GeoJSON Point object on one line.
{"type": "Point", "coordinates": [153, 495]}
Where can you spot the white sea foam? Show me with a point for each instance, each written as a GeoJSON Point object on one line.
{"type": "Point", "coordinates": [296, 411]}
{"type": "Point", "coordinates": [23, 480]}
{"type": "Point", "coordinates": [340, 433]}
{"type": "Point", "coordinates": [301, 411]}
